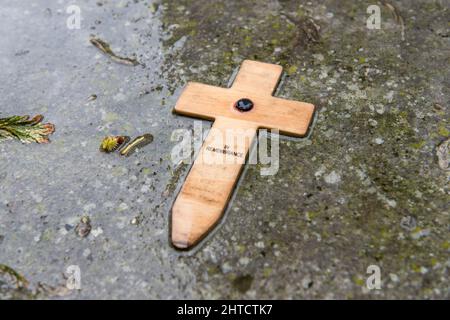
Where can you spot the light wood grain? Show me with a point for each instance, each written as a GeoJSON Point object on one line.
{"type": "Point", "coordinates": [257, 78]}
{"type": "Point", "coordinates": [211, 180]}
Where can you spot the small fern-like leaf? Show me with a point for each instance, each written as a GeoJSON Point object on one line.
{"type": "Point", "coordinates": [25, 129]}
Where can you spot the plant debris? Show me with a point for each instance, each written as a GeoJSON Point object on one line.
{"type": "Point", "coordinates": [25, 129]}
{"type": "Point", "coordinates": [173, 182]}
{"type": "Point", "coordinates": [308, 31]}
{"type": "Point", "coordinates": [443, 154]}
{"type": "Point", "coordinates": [408, 223]}
{"type": "Point", "coordinates": [397, 17]}
{"type": "Point", "coordinates": [138, 142]}
{"type": "Point", "coordinates": [15, 286]}
{"type": "Point", "coordinates": [112, 143]}
{"type": "Point", "coordinates": [84, 227]}
{"type": "Point", "coordinates": [106, 49]}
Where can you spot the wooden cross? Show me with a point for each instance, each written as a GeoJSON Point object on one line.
{"type": "Point", "coordinates": [238, 112]}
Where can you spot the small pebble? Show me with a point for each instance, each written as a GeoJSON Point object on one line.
{"type": "Point", "coordinates": [86, 252]}
{"type": "Point", "coordinates": [423, 270]}
{"type": "Point", "coordinates": [443, 154]}
{"type": "Point", "coordinates": [37, 238]}
{"type": "Point", "coordinates": [226, 267]}
{"type": "Point", "coordinates": [409, 223]}
{"type": "Point", "coordinates": [244, 261]}
{"type": "Point", "coordinates": [123, 206]}
{"type": "Point", "coordinates": [394, 277]}
{"type": "Point", "coordinates": [373, 122]}
{"type": "Point", "coordinates": [97, 232]}
{"type": "Point", "coordinates": [259, 244]}
{"type": "Point", "coordinates": [332, 178]}
{"type": "Point", "coordinates": [307, 283]}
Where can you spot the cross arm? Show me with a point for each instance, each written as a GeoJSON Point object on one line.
{"type": "Point", "coordinates": [289, 117]}
{"type": "Point", "coordinates": [255, 81]}
{"type": "Point", "coordinates": [257, 77]}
